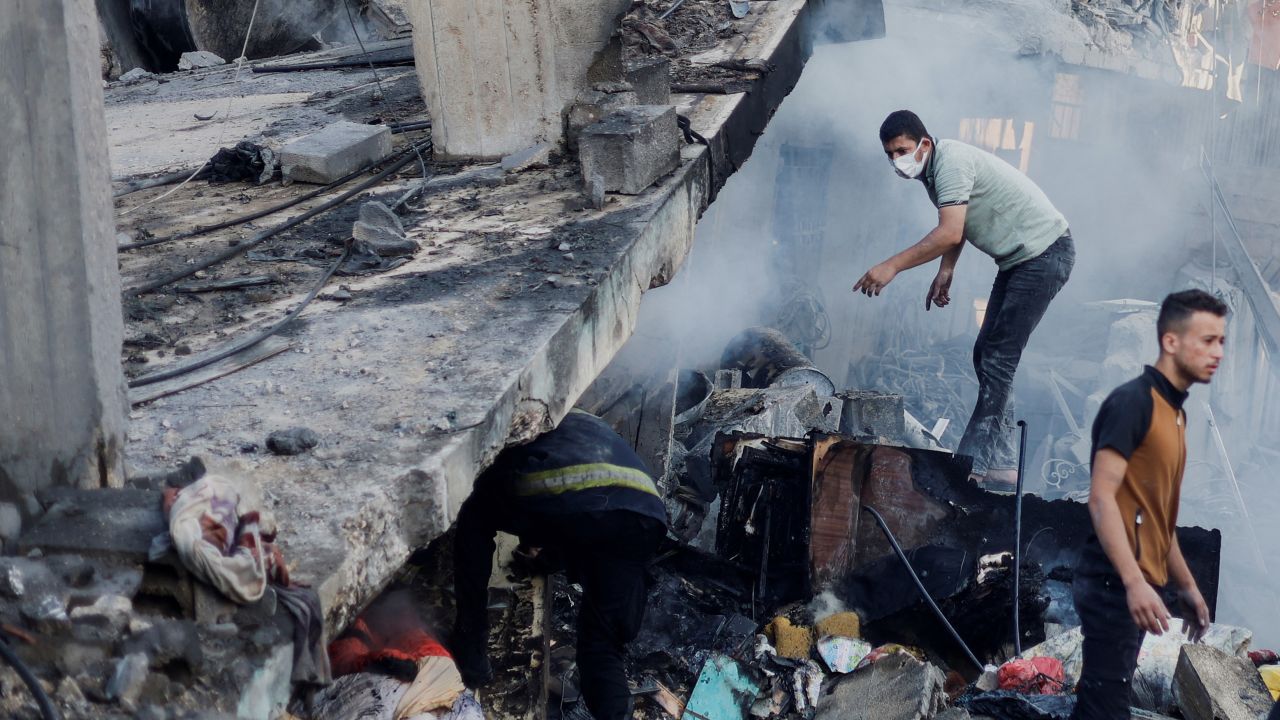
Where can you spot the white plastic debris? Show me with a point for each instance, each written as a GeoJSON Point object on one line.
{"type": "Point", "coordinates": [842, 654]}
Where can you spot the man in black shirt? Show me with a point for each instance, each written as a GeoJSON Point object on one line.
{"type": "Point", "coordinates": [1139, 453]}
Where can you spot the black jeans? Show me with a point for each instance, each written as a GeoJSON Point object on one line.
{"type": "Point", "coordinates": [608, 553]}
{"type": "Point", "coordinates": [1019, 299]}
{"type": "Point", "coordinates": [1111, 639]}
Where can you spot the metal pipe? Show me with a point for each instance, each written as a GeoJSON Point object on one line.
{"type": "Point", "coordinates": [1017, 539]}
{"type": "Point", "coordinates": [897, 549]}
{"type": "Point", "coordinates": [769, 359]}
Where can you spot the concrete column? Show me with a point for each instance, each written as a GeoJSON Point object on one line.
{"type": "Point", "coordinates": [62, 392]}
{"type": "Point", "coordinates": [497, 73]}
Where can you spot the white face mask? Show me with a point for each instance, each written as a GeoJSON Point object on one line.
{"type": "Point", "coordinates": [907, 166]}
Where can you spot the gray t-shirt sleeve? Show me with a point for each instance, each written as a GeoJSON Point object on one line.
{"type": "Point", "coordinates": [954, 180]}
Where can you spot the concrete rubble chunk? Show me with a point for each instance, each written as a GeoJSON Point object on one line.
{"type": "Point", "coordinates": [46, 613]}
{"type": "Point", "coordinates": [136, 75]}
{"type": "Point", "coordinates": [650, 79]}
{"type": "Point", "coordinates": [130, 675]}
{"type": "Point", "coordinates": [897, 687]}
{"type": "Point", "coordinates": [113, 610]}
{"type": "Point", "coordinates": [199, 59]}
{"type": "Point", "coordinates": [537, 156]}
{"type": "Point", "coordinates": [592, 107]}
{"type": "Point", "coordinates": [336, 150]}
{"type": "Point", "coordinates": [10, 523]}
{"type": "Point", "coordinates": [1212, 685]}
{"type": "Point", "coordinates": [380, 228]}
{"type": "Point", "coordinates": [874, 414]}
{"type": "Point", "coordinates": [631, 148]}
{"type": "Point", "coordinates": [12, 584]}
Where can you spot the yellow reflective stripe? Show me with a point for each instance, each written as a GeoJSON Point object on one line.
{"type": "Point", "coordinates": [583, 477]}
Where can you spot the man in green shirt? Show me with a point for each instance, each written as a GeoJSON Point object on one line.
{"type": "Point", "coordinates": [989, 203]}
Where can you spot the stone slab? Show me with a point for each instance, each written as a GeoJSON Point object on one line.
{"type": "Point", "coordinates": [631, 148]}
{"type": "Point", "coordinates": [112, 524]}
{"type": "Point", "coordinates": [337, 150]}
{"type": "Point", "coordinates": [1212, 685]}
{"type": "Point", "coordinates": [897, 687]}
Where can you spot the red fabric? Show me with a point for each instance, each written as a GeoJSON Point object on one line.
{"type": "Point", "coordinates": [1037, 676]}
{"type": "Point", "coordinates": [1263, 657]}
{"type": "Point", "coordinates": [381, 635]}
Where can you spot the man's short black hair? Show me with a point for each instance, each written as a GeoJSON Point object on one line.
{"type": "Point", "coordinates": [1178, 307]}
{"type": "Point", "coordinates": [902, 122]}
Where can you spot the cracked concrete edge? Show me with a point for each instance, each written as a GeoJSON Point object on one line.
{"type": "Point", "coordinates": [421, 501]}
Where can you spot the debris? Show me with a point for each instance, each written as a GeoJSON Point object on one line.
{"type": "Point", "coordinates": [889, 650]}
{"type": "Point", "coordinates": [293, 441]}
{"type": "Point", "coordinates": [246, 161]}
{"type": "Point", "coordinates": [1212, 685]}
{"type": "Point", "coordinates": [873, 414]}
{"type": "Point", "coordinates": [842, 654]}
{"type": "Point", "coordinates": [807, 686]}
{"type": "Point", "coordinates": [768, 359]}
{"type": "Point", "coordinates": [842, 624]}
{"type": "Point", "coordinates": [791, 641]}
{"type": "Point", "coordinates": [335, 151]}
{"type": "Point", "coordinates": [380, 229]}
{"type": "Point", "coordinates": [130, 674]}
{"type": "Point", "coordinates": [725, 690]}
{"type": "Point", "coordinates": [650, 79]}
{"type": "Point", "coordinates": [739, 8]}
{"type": "Point", "coordinates": [668, 701]}
{"type": "Point", "coordinates": [114, 610]}
{"type": "Point", "coordinates": [1158, 660]}
{"type": "Point", "coordinates": [538, 156]}
{"type": "Point", "coordinates": [1263, 657]}
{"type": "Point", "coordinates": [631, 148]}
{"type": "Point", "coordinates": [10, 523]}
{"type": "Point", "coordinates": [1007, 705]}
{"type": "Point", "coordinates": [199, 59]}
{"type": "Point", "coordinates": [595, 190]}
{"type": "Point", "coordinates": [136, 75]}
{"type": "Point", "coordinates": [46, 614]}
{"type": "Point", "coordinates": [1036, 676]}
{"type": "Point", "coordinates": [989, 679]}
{"type": "Point", "coordinates": [898, 688]}
{"type": "Point", "coordinates": [226, 284]}
{"type": "Point", "coordinates": [1271, 677]}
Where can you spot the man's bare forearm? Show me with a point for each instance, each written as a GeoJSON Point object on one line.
{"type": "Point", "coordinates": [951, 257]}
{"type": "Point", "coordinates": [1109, 526]}
{"type": "Point", "coordinates": [938, 243]}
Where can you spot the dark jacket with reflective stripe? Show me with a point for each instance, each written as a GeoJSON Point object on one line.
{"type": "Point", "coordinates": [582, 466]}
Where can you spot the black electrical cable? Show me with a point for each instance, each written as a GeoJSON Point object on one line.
{"type": "Point", "coordinates": [47, 708]}
{"type": "Point", "coordinates": [397, 128]}
{"type": "Point", "coordinates": [235, 347]}
{"type": "Point", "coordinates": [263, 236]}
{"type": "Point", "coordinates": [382, 94]}
{"type": "Point", "coordinates": [205, 229]}
{"type": "Point", "coordinates": [920, 586]}
{"type": "Point", "coordinates": [1017, 540]}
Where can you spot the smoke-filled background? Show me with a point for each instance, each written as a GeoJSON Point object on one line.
{"type": "Point", "coordinates": [818, 204]}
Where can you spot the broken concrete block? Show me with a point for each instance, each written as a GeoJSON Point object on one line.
{"type": "Point", "coordinates": [650, 79]}
{"type": "Point", "coordinates": [1212, 685]}
{"type": "Point", "coordinates": [595, 191]}
{"type": "Point", "coordinates": [109, 523]}
{"type": "Point", "coordinates": [337, 150]}
{"type": "Point", "coordinates": [199, 59]}
{"type": "Point", "coordinates": [592, 107]}
{"type": "Point", "coordinates": [379, 227]}
{"type": "Point", "coordinates": [724, 690]}
{"type": "Point", "coordinates": [136, 75]}
{"type": "Point", "coordinates": [631, 148]}
{"type": "Point", "coordinates": [897, 687]}
{"type": "Point", "coordinates": [10, 523]}
{"type": "Point", "coordinates": [874, 414]}
{"type": "Point", "coordinates": [535, 157]}
{"type": "Point", "coordinates": [113, 610]}
{"type": "Point", "coordinates": [126, 683]}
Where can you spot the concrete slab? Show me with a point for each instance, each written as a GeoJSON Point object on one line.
{"type": "Point", "coordinates": [337, 150]}
{"type": "Point", "coordinates": [418, 381]}
{"type": "Point", "coordinates": [1212, 685]}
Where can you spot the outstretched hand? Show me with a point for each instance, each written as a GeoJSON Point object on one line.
{"type": "Point", "coordinates": [875, 279]}
{"type": "Point", "coordinates": [940, 291]}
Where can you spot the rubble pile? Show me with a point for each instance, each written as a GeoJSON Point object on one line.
{"type": "Point", "coordinates": [777, 596]}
